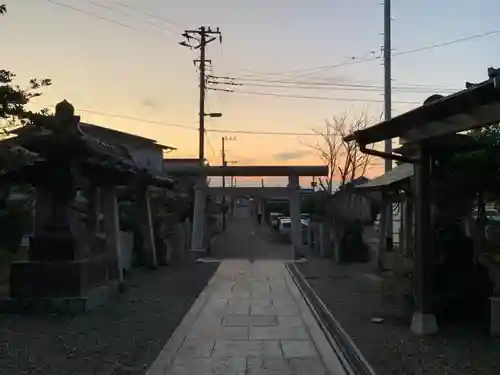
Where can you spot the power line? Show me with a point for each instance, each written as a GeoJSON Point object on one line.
{"type": "Point", "coordinates": [111, 9]}
{"type": "Point", "coordinates": [193, 127]}
{"type": "Point", "coordinates": [139, 119]}
{"type": "Point", "coordinates": [212, 149]}
{"type": "Point", "coordinates": [340, 99]}
{"type": "Point", "coordinates": [374, 58]}
{"type": "Point", "coordinates": [325, 83]}
{"type": "Point", "coordinates": [94, 15]}
{"type": "Point", "coordinates": [149, 14]}
{"type": "Point", "coordinates": [342, 88]}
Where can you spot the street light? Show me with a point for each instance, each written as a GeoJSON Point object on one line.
{"type": "Point", "coordinates": [215, 114]}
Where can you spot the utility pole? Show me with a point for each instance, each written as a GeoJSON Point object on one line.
{"type": "Point", "coordinates": [386, 215]}
{"type": "Point", "coordinates": [223, 185]}
{"type": "Point", "coordinates": [224, 164]}
{"type": "Point", "coordinates": [202, 37]}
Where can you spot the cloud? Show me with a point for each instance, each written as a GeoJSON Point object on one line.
{"type": "Point", "coordinates": [149, 103]}
{"type": "Point", "coordinates": [247, 160]}
{"type": "Point", "coordinates": [290, 155]}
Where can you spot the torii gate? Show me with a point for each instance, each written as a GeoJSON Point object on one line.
{"type": "Point", "coordinates": [202, 190]}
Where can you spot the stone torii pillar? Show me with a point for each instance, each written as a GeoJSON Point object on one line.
{"type": "Point", "coordinates": [294, 187]}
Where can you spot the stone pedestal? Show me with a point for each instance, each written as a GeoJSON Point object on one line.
{"type": "Point", "coordinates": [60, 275]}
{"type": "Point", "coordinates": [495, 316]}
{"type": "Point", "coordinates": [423, 324]}
{"type": "Point", "coordinates": [58, 282]}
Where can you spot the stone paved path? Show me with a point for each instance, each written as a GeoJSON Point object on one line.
{"type": "Point", "coordinates": [250, 320]}
{"type": "Point", "coordinates": [245, 238]}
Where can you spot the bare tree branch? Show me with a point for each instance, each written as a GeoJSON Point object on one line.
{"type": "Point", "coordinates": [345, 161]}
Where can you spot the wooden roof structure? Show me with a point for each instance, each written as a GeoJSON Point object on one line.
{"type": "Point", "coordinates": [471, 108]}
{"type": "Point", "coordinates": [390, 180]}
{"type": "Point", "coordinates": [35, 144]}
{"type": "Point", "coordinates": [475, 107]}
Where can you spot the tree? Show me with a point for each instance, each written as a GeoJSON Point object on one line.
{"type": "Point", "coordinates": [345, 160]}
{"type": "Point", "coordinates": [13, 112]}
{"type": "Point", "coordinates": [13, 98]}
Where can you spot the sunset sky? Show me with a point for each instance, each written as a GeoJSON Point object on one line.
{"type": "Point", "coordinates": [113, 63]}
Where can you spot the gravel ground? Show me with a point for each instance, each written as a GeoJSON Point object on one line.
{"type": "Point", "coordinates": [123, 337]}
{"type": "Point", "coordinates": [390, 347]}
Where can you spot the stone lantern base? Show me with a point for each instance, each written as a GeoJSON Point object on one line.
{"type": "Point", "coordinates": [57, 281]}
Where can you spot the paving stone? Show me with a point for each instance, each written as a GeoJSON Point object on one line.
{"type": "Point", "coordinates": [249, 320]}
{"type": "Point", "coordinates": [285, 303]}
{"type": "Point", "coordinates": [209, 366]}
{"type": "Point", "coordinates": [247, 348]}
{"type": "Point", "coordinates": [298, 349]}
{"type": "Point", "coordinates": [290, 321]}
{"type": "Point", "coordinates": [236, 294]}
{"type": "Point", "coordinates": [282, 366]}
{"type": "Point", "coordinates": [207, 319]}
{"type": "Point", "coordinates": [255, 301]}
{"type": "Point", "coordinates": [278, 333]}
{"type": "Point", "coordinates": [238, 306]}
{"type": "Point", "coordinates": [251, 325]}
{"type": "Point", "coordinates": [196, 348]}
{"type": "Point", "coordinates": [261, 294]}
{"type": "Point", "coordinates": [261, 302]}
{"type": "Point", "coordinates": [219, 332]}
{"type": "Point", "coordinates": [274, 310]}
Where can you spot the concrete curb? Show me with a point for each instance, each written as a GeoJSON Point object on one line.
{"type": "Point", "coordinates": [353, 361]}
{"type": "Point", "coordinates": [329, 355]}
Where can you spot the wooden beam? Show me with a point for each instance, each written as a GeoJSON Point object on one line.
{"type": "Point", "coordinates": [250, 170]}
{"type": "Point", "coordinates": [479, 117]}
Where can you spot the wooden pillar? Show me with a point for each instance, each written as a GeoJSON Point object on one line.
{"type": "Point", "coordinates": [408, 226]}
{"type": "Point", "coordinates": [146, 228]}
{"type": "Point", "coordinates": [198, 229]}
{"type": "Point", "coordinates": [295, 214]}
{"type": "Point", "coordinates": [112, 231]}
{"type": "Point", "coordinates": [424, 320]}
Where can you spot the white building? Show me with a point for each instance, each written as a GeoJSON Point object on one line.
{"type": "Point", "coordinates": [147, 153]}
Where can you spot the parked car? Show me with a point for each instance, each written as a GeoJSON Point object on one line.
{"type": "Point", "coordinates": [285, 225]}
{"type": "Point", "coordinates": [490, 213]}
{"type": "Point", "coordinates": [273, 219]}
